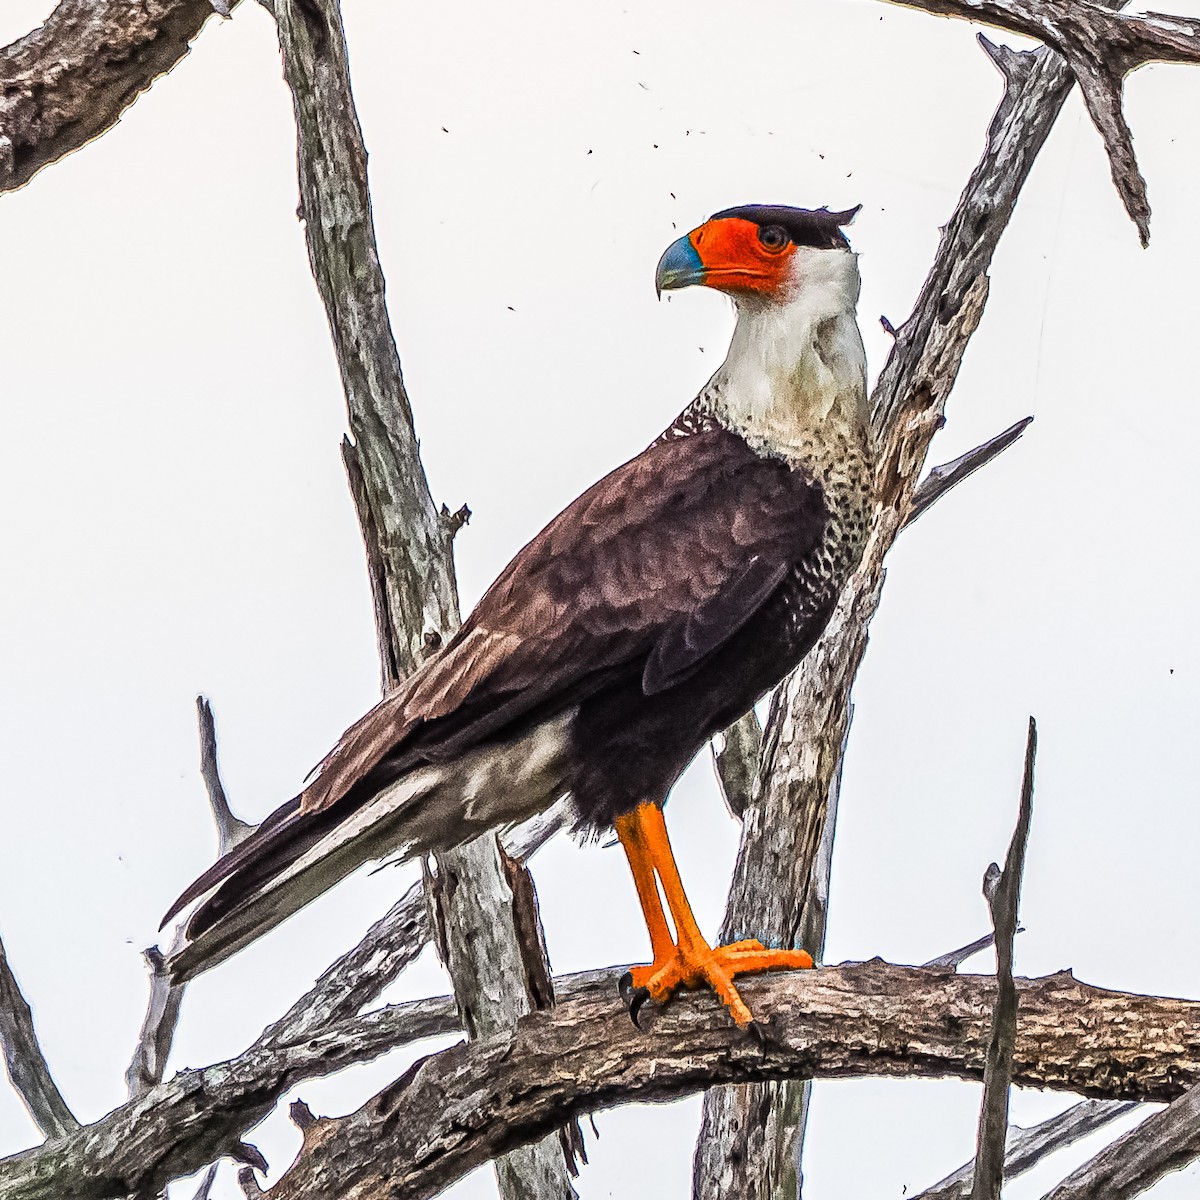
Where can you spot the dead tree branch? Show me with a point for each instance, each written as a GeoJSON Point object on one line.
{"type": "Point", "coordinates": [153, 1048]}
{"type": "Point", "coordinates": [1164, 1142]}
{"type": "Point", "coordinates": [1101, 47]}
{"type": "Point", "coordinates": [408, 540]}
{"type": "Point", "coordinates": [784, 827]}
{"type": "Point", "coordinates": [456, 1110]}
{"type": "Point", "coordinates": [1003, 891]}
{"type": "Point", "coordinates": [1027, 1147]}
{"type": "Point", "coordinates": [26, 1065]}
{"type": "Point", "coordinates": [68, 81]}
{"type": "Point", "coordinates": [941, 480]}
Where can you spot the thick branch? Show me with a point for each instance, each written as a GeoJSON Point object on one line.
{"type": "Point", "coordinates": [454, 1111]}
{"type": "Point", "coordinates": [1102, 47]}
{"type": "Point", "coordinates": [70, 80]}
{"type": "Point", "coordinates": [24, 1061]}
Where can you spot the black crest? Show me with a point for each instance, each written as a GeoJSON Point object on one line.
{"type": "Point", "coordinates": [817, 227]}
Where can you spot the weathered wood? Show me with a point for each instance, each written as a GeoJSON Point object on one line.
{"type": "Point", "coordinates": [157, 1033]}
{"type": "Point", "coordinates": [783, 828]}
{"type": "Point", "coordinates": [1027, 1147]}
{"type": "Point", "coordinates": [1102, 47]}
{"type": "Point", "coordinates": [68, 81]}
{"type": "Point", "coordinates": [1162, 1143]}
{"type": "Point", "coordinates": [23, 1060]}
{"type": "Point", "coordinates": [736, 752]}
{"type": "Point", "coordinates": [1003, 891]}
{"type": "Point", "coordinates": [408, 540]}
{"type": "Point", "coordinates": [453, 1111]}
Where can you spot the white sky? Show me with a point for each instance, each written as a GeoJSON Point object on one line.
{"type": "Point", "coordinates": [176, 519]}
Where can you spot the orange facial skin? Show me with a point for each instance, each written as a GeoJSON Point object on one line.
{"type": "Point", "coordinates": [736, 260]}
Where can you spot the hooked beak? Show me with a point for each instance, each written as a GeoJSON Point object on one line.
{"type": "Point", "coordinates": [679, 267]}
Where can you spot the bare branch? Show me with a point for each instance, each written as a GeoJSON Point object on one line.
{"type": "Point", "coordinates": [157, 1033]}
{"type": "Point", "coordinates": [1002, 899]}
{"type": "Point", "coordinates": [1102, 47]}
{"type": "Point", "coordinates": [1162, 1143]}
{"type": "Point", "coordinates": [67, 82]}
{"type": "Point", "coordinates": [941, 479]}
{"type": "Point", "coordinates": [862, 1019]}
{"type": "Point", "coordinates": [204, 1191]}
{"type": "Point", "coordinates": [230, 829]}
{"type": "Point", "coordinates": [1027, 1147]}
{"type": "Point", "coordinates": [737, 752]}
{"type": "Point", "coordinates": [784, 827]}
{"type": "Point", "coordinates": [953, 959]}
{"type": "Point", "coordinates": [23, 1059]}
{"type": "Point", "coordinates": [476, 1100]}
{"type": "Point", "coordinates": [409, 541]}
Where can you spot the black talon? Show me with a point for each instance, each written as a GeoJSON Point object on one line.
{"type": "Point", "coordinates": [625, 986]}
{"type": "Point", "coordinates": [639, 997]}
{"type": "Point", "coordinates": [634, 997]}
{"type": "Point", "coordinates": [761, 1035]}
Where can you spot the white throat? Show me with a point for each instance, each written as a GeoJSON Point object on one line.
{"type": "Point", "coordinates": [795, 378]}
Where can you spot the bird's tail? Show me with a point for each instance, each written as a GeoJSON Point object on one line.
{"type": "Point", "coordinates": [294, 856]}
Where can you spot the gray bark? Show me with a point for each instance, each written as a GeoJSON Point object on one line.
{"type": "Point", "coordinates": [408, 541]}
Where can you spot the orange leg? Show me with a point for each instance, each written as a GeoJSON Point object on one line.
{"type": "Point", "coordinates": [690, 961]}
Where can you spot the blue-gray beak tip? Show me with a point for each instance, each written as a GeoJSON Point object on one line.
{"type": "Point", "coordinates": [679, 267]}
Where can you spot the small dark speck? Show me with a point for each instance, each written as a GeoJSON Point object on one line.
{"type": "Point", "coordinates": [655, 144]}
{"type": "Point", "coordinates": [589, 152]}
{"type": "Point", "coordinates": [821, 157]}
{"type": "Point", "coordinates": [848, 174]}
{"type": "Point", "coordinates": [673, 226]}
{"type": "Point", "coordinates": [511, 309]}
{"type": "Point", "coordinates": [444, 129]}
{"type": "Point", "coordinates": [1171, 670]}
{"type": "Point", "coordinates": [643, 86]}
{"type": "Point", "coordinates": [637, 52]}
{"type": "Point", "coordinates": [672, 195]}
{"type": "Point", "coordinates": [701, 349]}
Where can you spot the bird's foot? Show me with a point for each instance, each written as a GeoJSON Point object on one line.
{"type": "Point", "coordinates": [694, 963]}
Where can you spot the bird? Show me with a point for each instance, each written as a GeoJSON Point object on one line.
{"type": "Point", "coordinates": [653, 611]}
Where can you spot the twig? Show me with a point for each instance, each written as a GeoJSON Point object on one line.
{"type": "Point", "coordinates": [784, 827]}
{"type": "Point", "coordinates": [153, 1048]}
{"type": "Point", "coordinates": [1028, 1147]}
{"type": "Point", "coordinates": [204, 1191]}
{"type": "Point", "coordinates": [1003, 891]}
{"type": "Point", "coordinates": [68, 81]}
{"type": "Point", "coordinates": [23, 1059]}
{"type": "Point", "coordinates": [942, 479]}
{"type": "Point", "coordinates": [1102, 47]}
{"type": "Point", "coordinates": [1164, 1142]}
{"type": "Point", "coordinates": [737, 752]}
{"type": "Point", "coordinates": [230, 829]}
{"type": "Point", "coordinates": [955, 958]}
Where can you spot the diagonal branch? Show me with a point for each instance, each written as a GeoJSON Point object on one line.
{"type": "Point", "coordinates": [23, 1059]}
{"type": "Point", "coordinates": [784, 827]}
{"type": "Point", "coordinates": [1162, 1143]}
{"type": "Point", "coordinates": [1027, 1147]}
{"type": "Point", "coordinates": [941, 480]}
{"type": "Point", "coordinates": [1101, 47]}
{"type": "Point", "coordinates": [70, 80]}
{"type": "Point", "coordinates": [1003, 891]}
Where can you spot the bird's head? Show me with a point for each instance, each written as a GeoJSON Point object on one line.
{"type": "Point", "coordinates": [757, 251]}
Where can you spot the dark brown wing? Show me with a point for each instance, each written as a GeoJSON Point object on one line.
{"type": "Point", "coordinates": [652, 569]}
{"type": "Point", "coordinates": [647, 573]}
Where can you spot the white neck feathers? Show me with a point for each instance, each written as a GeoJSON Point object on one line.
{"type": "Point", "coordinates": [795, 377]}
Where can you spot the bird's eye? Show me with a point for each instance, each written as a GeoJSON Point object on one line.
{"type": "Point", "coordinates": [773, 237]}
